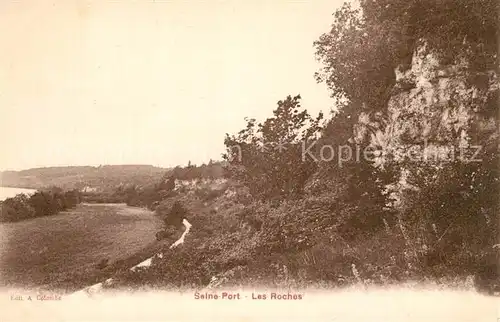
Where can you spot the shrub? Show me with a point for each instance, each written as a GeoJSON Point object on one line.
{"type": "Point", "coordinates": [208, 194]}
{"type": "Point", "coordinates": [16, 209]}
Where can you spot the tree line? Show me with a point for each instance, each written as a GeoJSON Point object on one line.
{"type": "Point", "coordinates": [44, 202]}
{"type": "Point", "coordinates": [150, 194]}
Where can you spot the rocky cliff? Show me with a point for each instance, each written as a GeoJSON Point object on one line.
{"type": "Point", "coordinates": [436, 113]}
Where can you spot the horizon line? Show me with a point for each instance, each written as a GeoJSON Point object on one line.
{"type": "Point", "coordinates": [105, 165]}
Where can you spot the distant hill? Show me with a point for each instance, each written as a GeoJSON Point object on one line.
{"type": "Point", "coordinates": [102, 178]}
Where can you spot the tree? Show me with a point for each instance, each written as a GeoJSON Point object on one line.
{"type": "Point", "coordinates": [364, 46]}
{"type": "Point", "coordinates": [267, 157]}
{"type": "Point", "coordinates": [358, 63]}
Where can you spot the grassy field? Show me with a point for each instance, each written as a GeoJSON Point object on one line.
{"type": "Point", "coordinates": [62, 251]}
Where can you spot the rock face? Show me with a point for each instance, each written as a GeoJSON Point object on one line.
{"type": "Point", "coordinates": [436, 113]}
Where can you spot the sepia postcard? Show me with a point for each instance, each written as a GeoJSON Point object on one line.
{"type": "Point", "coordinates": [249, 160]}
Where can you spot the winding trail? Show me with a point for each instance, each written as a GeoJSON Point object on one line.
{"type": "Point", "coordinates": [97, 288]}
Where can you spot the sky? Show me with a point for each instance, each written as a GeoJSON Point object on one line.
{"type": "Point", "coordinates": [149, 82]}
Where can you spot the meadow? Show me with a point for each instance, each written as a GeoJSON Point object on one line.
{"type": "Point", "coordinates": [63, 250]}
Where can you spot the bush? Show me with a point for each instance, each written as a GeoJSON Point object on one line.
{"type": "Point", "coordinates": [208, 194]}
{"type": "Point", "coordinates": [102, 198]}
{"type": "Point", "coordinates": [453, 217]}
{"type": "Point", "coordinates": [16, 209]}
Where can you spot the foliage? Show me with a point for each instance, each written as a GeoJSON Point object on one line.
{"type": "Point", "coordinates": [16, 209]}
{"type": "Point", "coordinates": [454, 215]}
{"type": "Point", "coordinates": [212, 170]}
{"type": "Point", "coordinates": [360, 55]}
{"type": "Point", "coordinates": [268, 157]}
{"type": "Point", "coordinates": [151, 194]}
{"type": "Point", "coordinates": [366, 44]}
{"type": "Point", "coordinates": [42, 203]}
{"type": "Point", "coordinates": [100, 197]}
